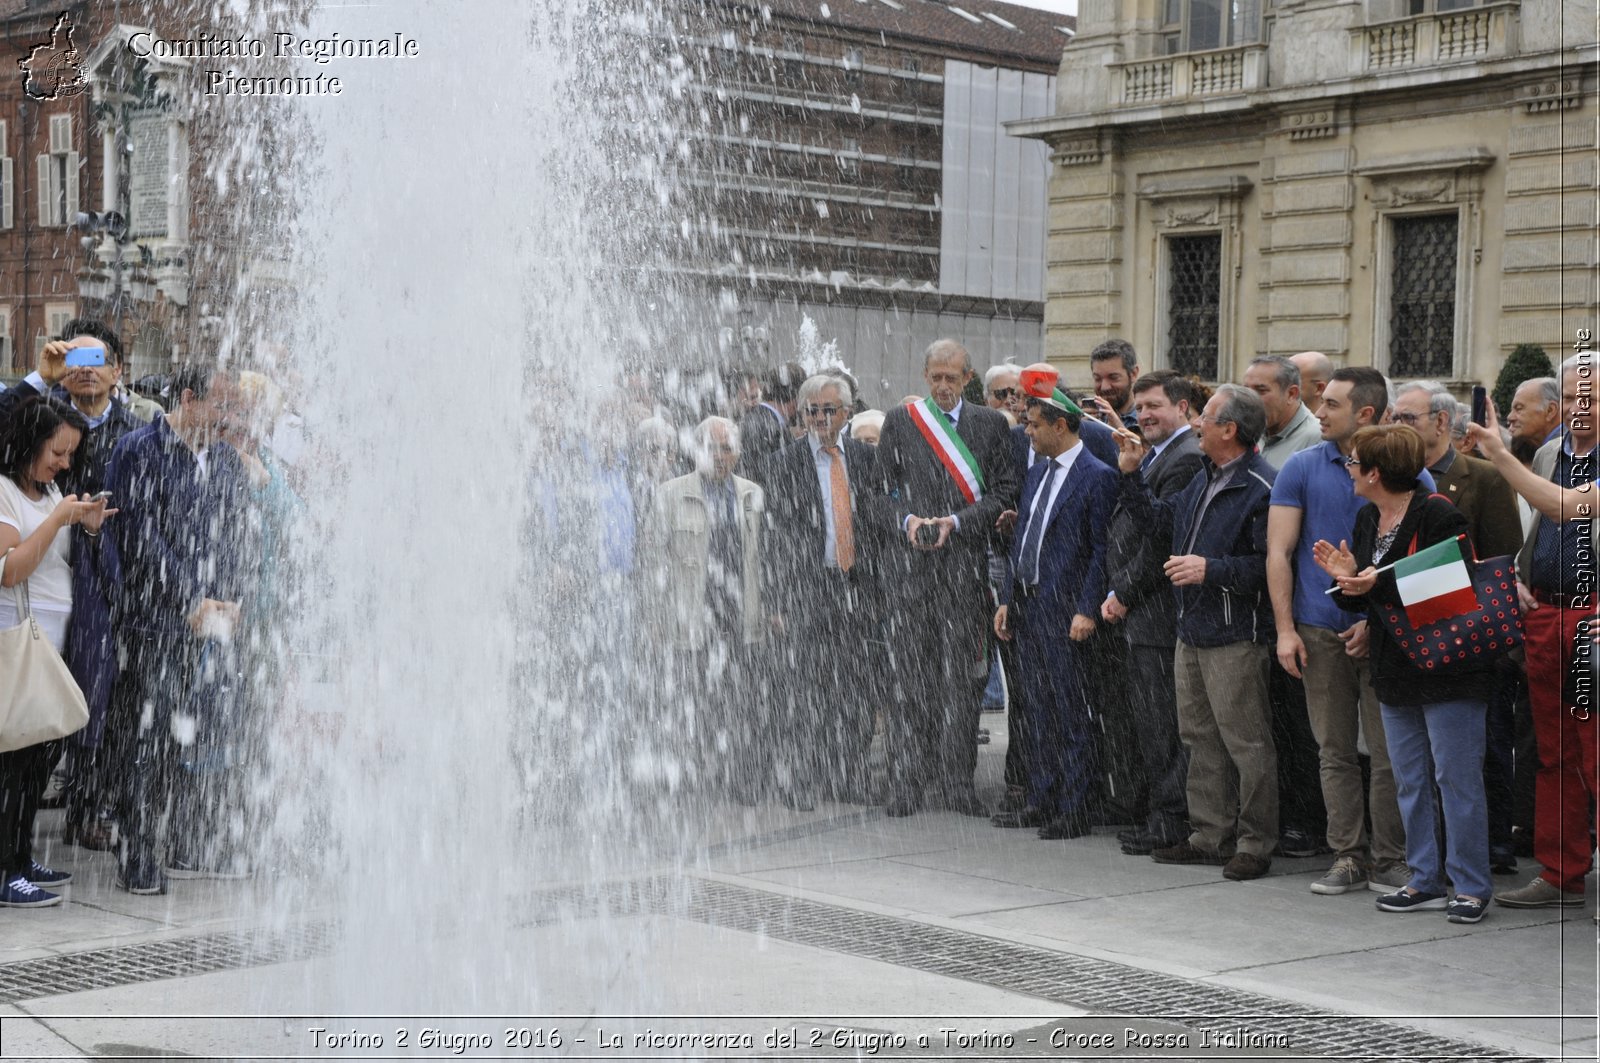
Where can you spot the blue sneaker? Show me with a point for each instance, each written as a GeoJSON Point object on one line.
{"type": "Point", "coordinates": [18, 892]}
{"type": "Point", "coordinates": [1410, 900]}
{"type": "Point", "coordinates": [49, 878]}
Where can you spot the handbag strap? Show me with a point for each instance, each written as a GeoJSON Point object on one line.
{"type": "Point", "coordinates": [1413, 547]}
{"type": "Point", "coordinates": [20, 593]}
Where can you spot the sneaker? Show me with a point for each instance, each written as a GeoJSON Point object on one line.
{"type": "Point", "coordinates": [40, 875]}
{"type": "Point", "coordinates": [193, 870]}
{"type": "Point", "coordinates": [1246, 866]}
{"type": "Point", "coordinates": [1345, 875]}
{"type": "Point", "coordinates": [1410, 900]}
{"type": "Point", "coordinates": [1389, 875]}
{"type": "Point", "coordinates": [1540, 893]}
{"type": "Point", "coordinates": [1465, 910]}
{"type": "Point", "coordinates": [1296, 842]}
{"type": "Point", "coordinates": [141, 882]}
{"type": "Point", "coordinates": [18, 892]}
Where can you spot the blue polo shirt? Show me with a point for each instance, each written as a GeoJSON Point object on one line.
{"type": "Point", "coordinates": [1316, 482]}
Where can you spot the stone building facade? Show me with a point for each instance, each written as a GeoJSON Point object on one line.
{"type": "Point", "coordinates": [1408, 184]}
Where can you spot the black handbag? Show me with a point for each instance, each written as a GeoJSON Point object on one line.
{"type": "Point", "coordinates": [1484, 634]}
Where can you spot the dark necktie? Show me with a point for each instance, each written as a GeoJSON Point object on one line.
{"type": "Point", "coordinates": [1028, 563]}
{"type": "Point", "coordinates": [1149, 459]}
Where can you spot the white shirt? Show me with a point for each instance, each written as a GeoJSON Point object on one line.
{"type": "Point", "coordinates": [824, 463]}
{"type": "Point", "coordinates": [1041, 504]}
{"type": "Point", "coordinates": [50, 585]}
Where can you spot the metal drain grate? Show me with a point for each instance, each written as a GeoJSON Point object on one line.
{"type": "Point", "coordinates": [1095, 986]}
{"type": "Point", "coordinates": [149, 962]}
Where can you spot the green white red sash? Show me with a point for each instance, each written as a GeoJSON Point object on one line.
{"type": "Point", "coordinates": [935, 426]}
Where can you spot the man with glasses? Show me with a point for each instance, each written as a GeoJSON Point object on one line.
{"type": "Point", "coordinates": [1002, 390]}
{"type": "Point", "coordinates": [823, 542]}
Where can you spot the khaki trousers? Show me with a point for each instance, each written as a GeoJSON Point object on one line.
{"type": "Point", "coordinates": [1344, 708]}
{"type": "Point", "coordinates": [1226, 725]}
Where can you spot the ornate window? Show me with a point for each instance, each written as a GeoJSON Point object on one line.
{"type": "Point", "coordinates": [1422, 295]}
{"type": "Point", "coordinates": [1194, 303]}
{"type": "Point", "coordinates": [1200, 25]}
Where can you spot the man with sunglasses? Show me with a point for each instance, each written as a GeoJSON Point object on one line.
{"type": "Point", "coordinates": [1002, 390]}
{"type": "Point", "coordinates": [819, 574]}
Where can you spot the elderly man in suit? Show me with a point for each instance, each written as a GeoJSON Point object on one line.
{"type": "Point", "coordinates": [1140, 599]}
{"type": "Point", "coordinates": [823, 538]}
{"type": "Point", "coordinates": [945, 469]}
{"type": "Point", "coordinates": [704, 539]}
{"type": "Point", "coordinates": [1049, 606]}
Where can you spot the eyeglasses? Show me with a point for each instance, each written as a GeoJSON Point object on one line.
{"type": "Point", "coordinates": [824, 411]}
{"type": "Point", "coordinates": [1006, 394]}
{"type": "Point", "coordinates": [1406, 418]}
{"type": "Point", "coordinates": [1351, 460]}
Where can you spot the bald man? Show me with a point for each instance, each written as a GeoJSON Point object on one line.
{"type": "Point", "coordinates": [1316, 369]}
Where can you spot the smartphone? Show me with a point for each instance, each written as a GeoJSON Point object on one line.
{"type": "Point", "coordinates": [81, 356]}
{"type": "Point", "coordinates": [1480, 405]}
{"type": "Point", "coordinates": [100, 495]}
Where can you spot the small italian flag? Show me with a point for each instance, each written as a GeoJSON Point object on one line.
{"type": "Point", "coordinates": [1435, 584]}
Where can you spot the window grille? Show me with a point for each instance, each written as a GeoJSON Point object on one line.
{"type": "Point", "coordinates": [1194, 297]}
{"type": "Point", "coordinates": [1422, 297]}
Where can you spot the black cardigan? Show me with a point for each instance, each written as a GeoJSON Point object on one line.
{"type": "Point", "coordinates": [1432, 519]}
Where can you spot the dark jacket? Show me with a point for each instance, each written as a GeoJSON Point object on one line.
{"type": "Point", "coordinates": [91, 650]}
{"type": "Point", "coordinates": [1134, 559]}
{"type": "Point", "coordinates": [794, 547]}
{"type": "Point", "coordinates": [1487, 502]}
{"type": "Point", "coordinates": [180, 532]}
{"type": "Point", "coordinates": [1097, 440]}
{"type": "Point", "coordinates": [1397, 681]}
{"type": "Point", "coordinates": [1231, 605]}
{"type": "Point", "coordinates": [1072, 550]}
{"type": "Point", "coordinates": [102, 438]}
{"type": "Point", "coordinates": [762, 433]}
{"type": "Point", "coordinates": [914, 481]}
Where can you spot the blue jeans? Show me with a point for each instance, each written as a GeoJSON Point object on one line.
{"type": "Point", "coordinates": [1443, 743]}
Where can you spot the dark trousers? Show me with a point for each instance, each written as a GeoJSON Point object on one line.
{"type": "Point", "coordinates": [1153, 709]}
{"type": "Point", "coordinates": [85, 790]}
{"type": "Point", "coordinates": [1499, 766]}
{"type": "Point", "coordinates": [23, 776]}
{"type": "Point", "coordinates": [716, 716]}
{"type": "Point", "coordinates": [1121, 779]}
{"type": "Point", "coordinates": [1299, 765]}
{"type": "Point", "coordinates": [822, 697]}
{"type": "Point", "coordinates": [1059, 728]}
{"type": "Point", "coordinates": [158, 800]}
{"type": "Point", "coordinates": [1016, 721]}
{"type": "Point", "coordinates": [939, 644]}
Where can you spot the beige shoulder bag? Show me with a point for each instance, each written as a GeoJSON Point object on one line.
{"type": "Point", "coordinates": [39, 699]}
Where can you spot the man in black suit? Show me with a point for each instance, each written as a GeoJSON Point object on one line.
{"type": "Point", "coordinates": [946, 470]}
{"type": "Point", "coordinates": [1142, 603]}
{"type": "Point", "coordinates": [823, 542]}
{"type": "Point", "coordinates": [764, 430]}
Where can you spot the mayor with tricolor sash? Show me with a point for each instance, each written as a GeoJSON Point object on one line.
{"type": "Point", "coordinates": [945, 468]}
{"type": "Point", "coordinates": [1405, 567]}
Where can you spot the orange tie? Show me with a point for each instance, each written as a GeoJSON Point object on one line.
{"type": "Point", "coordinates": [844, 539]}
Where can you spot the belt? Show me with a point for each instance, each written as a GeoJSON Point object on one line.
{"type": "Point", "coordinates": [1564, 601]}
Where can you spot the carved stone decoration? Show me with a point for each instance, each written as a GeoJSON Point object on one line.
{"type": "Point", "coordinates": [1311, 125]}
{"type": "Point", "coordinates": [1421, 192]}
{"type": "Point", "coordinates": [1192, 213]}
{"type": "Point", "coordinates": [1552, 95]}
{"type": "Point", "coordinates": [1079, 151]}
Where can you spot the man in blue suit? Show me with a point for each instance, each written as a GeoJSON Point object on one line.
{"type": "Point", "coordinates": [1049, 605]}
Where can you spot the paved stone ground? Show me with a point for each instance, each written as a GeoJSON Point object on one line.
{"type": "Point", "coordinates": [855, 935]}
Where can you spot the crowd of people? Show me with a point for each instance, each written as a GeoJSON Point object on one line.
{"type": "Point", "coordinates": [1189, 596]}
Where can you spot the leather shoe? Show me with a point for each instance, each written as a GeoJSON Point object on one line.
{"type": "Point", "coordinates": [97, 837]}
{"type": "Point", "coordinates": [1015, 800]}
{"type": "Point", "coordinates": [902, 806]}
{"type": "Point", "coordinates": [1246, 866]}
{"type": "Point", "coordinates": [1184, 853]}
{"type": "Point", "coordinates": [967, 803]}
{"type": "Point", "coordinates": [1068, 825]}
{"type": "Point", "coordinates": [1022, 817]}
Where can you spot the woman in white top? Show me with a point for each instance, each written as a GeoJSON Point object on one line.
{"type": "Point", "coordinates": [41, 439]}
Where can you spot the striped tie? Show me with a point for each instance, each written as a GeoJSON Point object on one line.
{"type": "Point", "coordinates": [844, 539]}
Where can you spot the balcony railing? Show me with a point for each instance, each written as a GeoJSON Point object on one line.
{"type": "Point", "coordinates": [1175, 78]}
{"type": "Point", "coordinates": [1445, 37]}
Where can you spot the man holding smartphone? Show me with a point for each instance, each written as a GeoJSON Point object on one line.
{"type": "Point", "coordinates": [945, 468]}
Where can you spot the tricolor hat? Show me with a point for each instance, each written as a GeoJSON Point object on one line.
{"type": "Point", "coordinates": [1040, 381]}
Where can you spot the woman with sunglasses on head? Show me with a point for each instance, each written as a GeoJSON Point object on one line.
{"type": "Point", "coordinates": [41, 439]}
{"type": "Point", "coordinates": [1433, 722]}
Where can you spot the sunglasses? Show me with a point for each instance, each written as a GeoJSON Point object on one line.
{"type": "Point", "coordinates": [1006, 394]}
{"type": "Point", "coordinates": [824, 411]}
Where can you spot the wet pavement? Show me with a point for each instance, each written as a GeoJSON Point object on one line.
{"type": "Point", "coordinates": [838, 934]}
